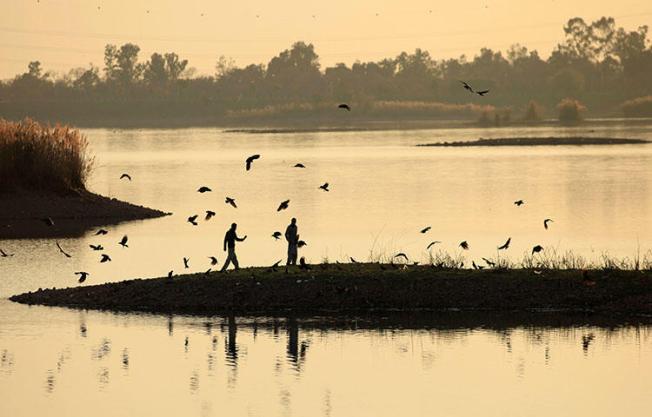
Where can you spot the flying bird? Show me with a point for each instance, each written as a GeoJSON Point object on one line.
{"type": "Point", "coordinates": [213, 260]}
{"type": "Point", "coordinates": [193, 220]}
{"type": "Point", "coordinates": [96, 247]}
{"type": "Point", "coordinates": [344, 106]}
{"type": "Point", "coordinates": [276, 235]}
{"type": "Point", "coordinates": [185, 262]}
{"type": "Point", "coordinates": [301, 243]}
{"type": "Point", "coordinates": [467, 86]}
{"type": "Point", "coordinates": [82, 276]}
{"type": "Point", "coordinates": [537, 249]}
{"type": "Point", "coordinates": [299, 165]}
{"type": "Point", "coordinates": [101, 232]}
{"type": "Point", "coordinates": [464, 245]}
{"type": "Point", "coordinates": [426, 229]}
{"type": "Point", "coordinates": [324, 187]}
{"type": "Point", "coordinates": [545, 223]}
{"type": "Point", "coordinates": [127, 176]}
{"type": "Point", "coordinates": [402, 255]}
{"type": "Point", "coordinates": [506, 244]}
{"type": "Point", "coordinates": [48, 221]}
{"type": "Point", "coordinates": [251, 160]}
{"type": "Point", "coordinates": [434, 242]}
{"type": "Point", "coordinates": [5, 254]}
{"type": "Point", "coordinates": [229, 200]}
{"type": "Point", "coordinates": [519, 202]}
{"type": "Point", "coordinates": [123, 241]}
{"type": "Point", "coordinates": [204, 189]}
{"type": "Point", "coordinates": [285, 204]}
{"type": "Point", "coordinates": [489, 262]}
{"type": "Point", "coordinates": [105, 258]}
{"type": "Point", "coordinates": [209, 215]}
{"type": "Point", "coordinates": [482, 93]}
{"type": "Point", "coordinates": [62, 251]}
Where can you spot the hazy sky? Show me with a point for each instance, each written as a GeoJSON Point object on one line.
{"type": "Point", "coordinates": [63, 34]}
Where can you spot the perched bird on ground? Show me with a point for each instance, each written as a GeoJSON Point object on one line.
{"type": "Point", "coordinates": [62, 251]}
{"type": "Point", "coordinates": [475, 266]}
{"type": "Point", "coordinates": [213, 260]}
{"type": "Point", "coordinates": [127, 176]}
{"type": "Point", "coordinates": [170, 274]}
{"type": "Point", "coordinates": [299, 165]}
{"type": "Point", "coordinates": [4, 254]}
{"type": "Point", "coordinates": [434, 242]}
{"type": "Point", "coordinates": [537, 249]}
{"type": "Point", "coordinates": [209, 215]}
{"type": "Point", "coordinates": [285, 204]}
{"type": "Point", "coordinates": [185, 262]}
{"type": "Point", "coordinates": [464, 245]}
{"type": "Point", "coordinates": [82, 276]}
{"type": "Point", "coordinates": [105, 258]}
{"type": "Point", "coordinates": [519, 202]}
{"type": "Point", "coordinates": [426, 229]}
{"type": "Point", "coordinates": [506, 244]}
{"type": "Point", "coordinates": [193, 220]}
{"type": "Point", "coordinates": [303, 264]}
{"type": "Point", "coordinates": [402, 255]}
{"type": "Point", "coordinates": [48, 221]}
{"type": "Point", "coordinates": [467, 86]}
{"type": "Point", "coordinates": [250, 161]}
{"type": "Point", "coordinates": [277, 235]}
{"type": "Point", "coordinates": [482, 93]}
{"type": "Point", "coordinates": [101, 232]}
{"type": "Point", "coordinates": [545, 223]}
{"type": "Point", "coordinates": [344, 106]}
{"type": "Point", "coordinates": [353, 261]}
{"type": "Point", "coordinates": [123, 241]}
{"type": "Point", "coordinates": [324, 186]}
{"type": "Point", "coordinates": [204, 189]}
{"type": "Point", "coordinates": [229, 200]}
{"type": "Point", "coordinates": [488, 262]}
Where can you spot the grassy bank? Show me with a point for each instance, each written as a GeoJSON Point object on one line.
{"type": "Point", "coordinates": [366, 288]}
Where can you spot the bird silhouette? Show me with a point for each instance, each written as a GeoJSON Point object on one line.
{"type": "Point", "coordinates": [475, 266]}
{"type": "Point", "coordinates": [303, 264]}
{"type": "Point", "coordinates": [170, 274]}
{"type": "Point", "coordinates": [192, 220]}
{"type": "Point", "coordinates": [82, 276]}
{"type": "Point", "coordinates": [402, 255]}
{"type": "Point", "coordinates": [464, 245]}
{"type": "Point", "coordinates": [123, 241]}
{"type": "Point", "coordinates": [324, 186]}
{"type": "Point", "coordinates": [62, 251]}
{"type": "Point", "coordinates": [285, 204]}
{"type": "Point", "coordinates": [482, 93]}
{"type": "Point", "coordinates": [434, 242]}
{"type": "Point", "coordinates": [467, 86]}
{"type": "Point", "coordinates": [299, 165]}
{"type": "Point", "coordinates": [344, 106]}
{"type": "Point", "coordinates": [250, 161]}
{"type": "Point", "coordinates": [229, 200]}
{"type": "Point", "coordinates": [127, 176]}
{"type": "Point", "coordinates": [209, 215]}
{"type": "Point", "coordinates": [96, 247]}
{"type": "Point", "coordinates": [353, 261]}
{"type": "Point", "coordinates": [204, 189]}
{"type": "Point", "coordinates": [519, 203]}
{"type": "Point", "coordinates": [301, 243]}
{"type": "Point", "coordinates": [48, 221]}
{"type": "Point", "coordinates": [545, 223]}
{"type": "Point", "coordinates": [213, 260]}
{"type": "Point", "coordinates": [537, 249]}
{"type": "Point", "coordinates": [105, 258]}
{"type": "Point", "coordinates": [101, 232]}
{"type": "Point", "coordinates": [277, 235]}
{"type": "Point", "coordinates": [426, 229]}
{"type": "Point", "coordinates": [185, 262]}
{"type": "Point", "coordinates": [4, 254]}
{"type": "Point", "coordinates": [506, 244]}
{"type": "Point", "coordinates": [489, 262]}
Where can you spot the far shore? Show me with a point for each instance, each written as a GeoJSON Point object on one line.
{"type": "Point", "coordinates": [537, 141]}
{"type": "Point", "coordinates": [336, 289]}
{"type": "Point", "coordinates": [22, 213]}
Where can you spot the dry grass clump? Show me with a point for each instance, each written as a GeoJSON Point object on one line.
{"type": "Point", "coordinates": [35, 156]}
{"type": "Point", "coordinates": [638, 107]}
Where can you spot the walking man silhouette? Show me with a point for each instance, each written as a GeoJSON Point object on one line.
{"type": "Point", "coordinates": [229, 242]}
{"type": "Point", "coordinates": [292, 237]}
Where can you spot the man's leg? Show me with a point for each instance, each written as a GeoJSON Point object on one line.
{"type": "Point", "coordinates": [235, 261]}
{"type": "Point", "coordinates": [293, 255]}
{"type": "Point", "coordinates": [227, 262]}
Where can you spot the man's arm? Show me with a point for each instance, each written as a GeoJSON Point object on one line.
{"type": "Point", "coordinates": [240, 239]}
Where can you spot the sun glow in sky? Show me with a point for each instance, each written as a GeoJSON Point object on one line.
{"type": "Point", "coordinates": [64, 34]}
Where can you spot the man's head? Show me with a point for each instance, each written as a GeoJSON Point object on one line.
{"type": "Point", "coordinates": [233, 226]}
{"type": "Point", "coordinates": [294, 221]}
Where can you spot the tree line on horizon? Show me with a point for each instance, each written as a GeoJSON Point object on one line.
{"type": "Point", "coordinates": [598, 64]}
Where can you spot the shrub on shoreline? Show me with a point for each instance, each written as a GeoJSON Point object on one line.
{"type": "Point", "coordinates": [35, 156]}
{"type": "Point", "coordinates": [534, 112]}
{"type": "Point", "coordinates": [570, 111]}
{"type": "Point", "coordinates": [638, 107]}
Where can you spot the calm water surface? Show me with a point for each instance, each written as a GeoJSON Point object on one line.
{"type": "Point", "coordinates": [383, 191]}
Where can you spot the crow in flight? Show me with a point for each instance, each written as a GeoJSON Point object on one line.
{"type": "Point", "coordinates": [545, 223]}
{"type": "Point", "coordinates": [209, 215]}
{"type": "Point", "coordinates": [82, 276]}
{"type": "Point", "coordinates": [344, 106]}
{"type": "Point", "coordinates": [62, 251]}
{"type": "Point", "coordinates": [204, 189]}
{"type": "Point", "coordinates": [123, 241]}
{"type": "Point", "coordinates": [464, 245]}
{"type": "Point", "coordinates": [250, 161]}
{"type": "Point", "coordinates": [193, 220]}
{"type": "Point", "coordinates": [285, 204]}
{"type": "Point", "coordinates": [506, 244]}
{"type": "Point", "coordinates": [229, 200]}
{"type": "Point", "coordinates": [127, 176]}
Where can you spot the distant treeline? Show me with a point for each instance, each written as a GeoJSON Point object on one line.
{"type": "Point", "coordinates": [598, 65]}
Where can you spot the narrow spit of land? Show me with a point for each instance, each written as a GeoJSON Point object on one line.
{"type": "Point", "coordinates": [548, 141]}
{"type": "Point", "coordinates": [365, 289]}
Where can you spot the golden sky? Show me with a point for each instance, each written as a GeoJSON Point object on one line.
{"type": "Point", "coordinates": [63, 34]}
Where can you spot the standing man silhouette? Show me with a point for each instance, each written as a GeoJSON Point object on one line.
{"type": "Point", "coordinates": [229, 241]}
{"type": "Point", "coordinates": [292, 237]}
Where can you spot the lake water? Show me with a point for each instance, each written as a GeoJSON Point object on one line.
{"type": "Point", "coordinates": [383, 192]}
